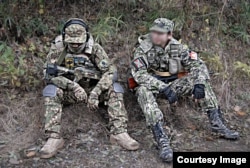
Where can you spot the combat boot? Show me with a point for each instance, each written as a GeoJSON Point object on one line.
{"type": "Point", "coordinates": [124, 140]}
{"type": "Point", "coordinates": [166, 153]}
{"type": "Point", "coordinates": [53, 144]}
{"type": "Point", "coordinates": [218, 127]}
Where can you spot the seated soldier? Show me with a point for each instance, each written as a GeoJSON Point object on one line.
{"type": "Point", "coordinates": [160, 57]}
{"type": "Point", "coordinates": [76, 51]}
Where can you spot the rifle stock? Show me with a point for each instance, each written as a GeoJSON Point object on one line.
{"type": "Point", "coordinates": [132, 84]}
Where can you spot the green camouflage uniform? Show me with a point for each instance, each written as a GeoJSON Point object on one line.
{"type": "Point", "coordinates": [149, 58]}
{"type": "Point", "coordinates": [69, 92]}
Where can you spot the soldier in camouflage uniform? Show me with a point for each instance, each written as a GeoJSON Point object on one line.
{"type": "Point", "coordinates": [74, 48]}
{"type": "Point", "coordinates": [160, 56]}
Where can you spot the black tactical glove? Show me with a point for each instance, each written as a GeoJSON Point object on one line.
{"type": "Point", "coordinates": [52, 70]}
{"type": "Point", "coordinates": [199, 91]}
{"type": "Point", "coordinates": [170, 95]}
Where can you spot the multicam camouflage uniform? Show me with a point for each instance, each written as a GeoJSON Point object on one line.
{"type": "Point", "coordinates": [157, 58]}
{"type": "Point", "coordinates": [149, 58]}
{"type": "Point", "coordinates": [66, 92]}
{"type": "Point", "coordinates": [152, 63]}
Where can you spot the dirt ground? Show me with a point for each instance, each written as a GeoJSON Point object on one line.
{"type": "Point", "coordinates": [87, 138]}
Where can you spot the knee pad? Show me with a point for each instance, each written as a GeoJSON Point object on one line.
{"type": "Point", "coordinates": [50, 91]}
{"type": "Point", "coordinates": [118, 88]}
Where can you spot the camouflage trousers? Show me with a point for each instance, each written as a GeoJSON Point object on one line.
{"type": "Point", "coordinates": [183, 87]}
{"type": "Point", "coordinates": [116, 110]}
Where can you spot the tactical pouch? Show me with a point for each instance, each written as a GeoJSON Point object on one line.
{"type": "Point", "coordinates": [69, 62]}
{"type": "Point", "coordinates": [174, 61]}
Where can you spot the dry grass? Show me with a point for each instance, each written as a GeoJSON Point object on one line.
{"type": "Point", "coordinates": [20, 120]}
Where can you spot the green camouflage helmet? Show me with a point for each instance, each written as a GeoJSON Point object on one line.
{"type": "Point", "coordinates": [162, 25]}
{"type": "Point", "coordinates": [75, 33]}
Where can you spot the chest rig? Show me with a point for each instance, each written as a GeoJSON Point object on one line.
{"type": "Point", "coordinates": [73, 61]}
{"type": "Point", "coordinates": [165, 60]}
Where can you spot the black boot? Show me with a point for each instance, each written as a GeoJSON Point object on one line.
{"type": "Point", "coordinates": [166, 153]}
{"type": "Point", "coordinates": [218, 126]}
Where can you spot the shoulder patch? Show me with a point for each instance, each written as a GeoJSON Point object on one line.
{"type": "Point", "coordinates": [138, 63]}
{"type": "Point", "coordinates": [193, 55]}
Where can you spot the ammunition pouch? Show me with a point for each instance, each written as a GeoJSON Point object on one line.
{"type": "Point", "coordinates": [49, 91]}
{"type": "Point", "coordinates": [175, 65]}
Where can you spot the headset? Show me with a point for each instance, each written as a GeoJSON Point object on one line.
{"type": "Point", "coordinates": [75, 21]}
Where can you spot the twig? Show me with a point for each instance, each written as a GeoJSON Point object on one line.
{"type": "Point", "coordinates": [222, 10]}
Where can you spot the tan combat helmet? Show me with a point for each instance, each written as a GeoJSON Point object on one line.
{"type": "Point", "coordinates": [162, 25]}
{"type": "Point", "coordinates": [75, 31]}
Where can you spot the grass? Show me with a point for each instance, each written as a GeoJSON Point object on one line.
{"type": "Point", "coordinates": [242, 68]}
{"type": "Point", "coordinates": [107, 27]}
{"type": "Point", "coordinates": [14, 69]}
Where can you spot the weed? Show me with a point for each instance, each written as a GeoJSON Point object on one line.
{"type": "Point", "coordinates": [213, 61]}
{"type": "Point", "coordinates": [242, 69]}
{"type": "Point", "coordinates": [35, 26]}
{"type": "Point", "coordinates": [14, 69]}
{"type": "Point", "coordinates": [240, 28]}
{"type": "Point", "coordinates": [107, 27]}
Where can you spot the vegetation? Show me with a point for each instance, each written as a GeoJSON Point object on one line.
{"type": "Point", "coordinates": [218, 30]}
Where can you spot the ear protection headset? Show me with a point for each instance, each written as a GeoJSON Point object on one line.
{"type": "Point", "coordinates": [75, 21]}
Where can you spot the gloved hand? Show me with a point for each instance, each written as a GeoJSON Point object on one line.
{"type": "Point", "coordinates": [199, 91]}
{"type": "Point", "coordinates": [93, 101]}
{"type": "Point", "coordinates": [170, 95]}
{"type": "Point", "coordinates": [51, 69]}
{"type": "Point", "coordinates": [80, 94]}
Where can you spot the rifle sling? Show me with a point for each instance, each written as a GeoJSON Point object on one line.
{"type": "Point", "coordinates": [62, 56]}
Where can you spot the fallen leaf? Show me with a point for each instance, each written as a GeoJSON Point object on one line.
{"type": "Point", "coordinates": [209, 138]}
{"type": "Point", "coordinates": [31, 154]}
{"type": "Point", "coordinates": [237, 108]}
{"type": "Point", "coordinates": [41, 11]}
{"type": "Point", "coordinates": [241, 113]}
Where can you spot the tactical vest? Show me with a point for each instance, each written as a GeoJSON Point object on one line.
{"type": "Point", "coordinates": [71, 61]}
{"type": "Point", "coordinates": [163, 62]}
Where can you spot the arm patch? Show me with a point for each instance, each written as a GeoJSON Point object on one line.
{"type": "Point", "coordinates": [139, 63]}
{"type": "Point", "coordinates": [193, 55]}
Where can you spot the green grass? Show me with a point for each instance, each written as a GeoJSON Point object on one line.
{"type": "Point", "coordinates": [14, 69]}
{"type": "Point", "coordinates": [107, 27]}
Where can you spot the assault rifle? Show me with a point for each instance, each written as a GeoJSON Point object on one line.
{"type": "Point", "coordinates": [166, 79]}
{"type": "Point", "coordinates": [79, 72]}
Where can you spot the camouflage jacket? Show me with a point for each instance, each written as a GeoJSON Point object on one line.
{"type": "Point", "coordinates": [96, 55]}
{"type": "Point", "coordinates": [149, 58]}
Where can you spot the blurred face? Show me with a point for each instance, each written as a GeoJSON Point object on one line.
{"type": "Point", "coordinates": [76, 47]}
{"type": "Point", "coordinates": [159, 38]}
